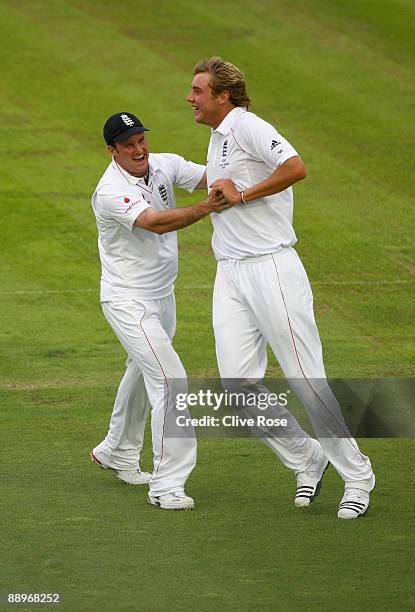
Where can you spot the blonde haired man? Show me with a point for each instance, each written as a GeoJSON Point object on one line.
{"type": "Point", "coordinates": [262, 293]}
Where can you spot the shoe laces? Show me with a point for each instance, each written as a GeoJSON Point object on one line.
{"type": "Point", "coordinates": [353, 494]}
{"type": "Point", "coordinates": [303, 477]}
{"type": "Point", "coordinates": [179, 494]}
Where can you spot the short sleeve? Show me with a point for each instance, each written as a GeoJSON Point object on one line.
{"type": "Point", "coordinates": [186, 174]}
{"type": "Point", "coordinates": [261, 140]}
{"type": "Point", "coordinates": [123, 208]}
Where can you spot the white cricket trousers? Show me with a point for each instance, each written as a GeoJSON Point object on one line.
{"type": "Point", "coordinates": [268, 299]}
{"type": "Point", "coordinates": [153, 377]}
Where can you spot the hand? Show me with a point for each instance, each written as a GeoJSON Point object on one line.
{"type": "Point", "coordinates": [217, 202]}
{"type": "Point", "coordinates": [228, 189]}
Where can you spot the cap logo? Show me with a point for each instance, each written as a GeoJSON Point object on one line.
{"type": "Point", "coordinates": [127, 120]}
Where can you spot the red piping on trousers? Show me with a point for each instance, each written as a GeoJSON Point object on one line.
{"type": "Point", "coordinates": [347, 434]}
{"type": "Point", "coordinates": [165, 378]}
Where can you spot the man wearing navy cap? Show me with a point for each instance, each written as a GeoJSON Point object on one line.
{"type": "Point", "coordinates": [136, 214]}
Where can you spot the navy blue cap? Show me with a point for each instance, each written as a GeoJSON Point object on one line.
{"type": "Point", "coordinates": [121, 126]}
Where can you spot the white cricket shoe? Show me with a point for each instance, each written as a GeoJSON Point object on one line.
{"type": "Point", "coordinates": [177, 500]}
{"type": "Point", "coordinates": [354, 503]}
{"type": "Point", "coordinates": [132, 477]}
{"type": "Point", "coordinates": [309, 482]}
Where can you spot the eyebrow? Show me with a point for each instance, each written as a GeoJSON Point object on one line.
{"type": "Point", "coordinates": [125, 144]}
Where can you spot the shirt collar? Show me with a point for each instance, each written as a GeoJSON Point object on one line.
{"type": "Point", "coordinates": [229, 121]}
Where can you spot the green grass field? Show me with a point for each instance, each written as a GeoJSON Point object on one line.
{"type": "Point", "coordinates": [336, 76]}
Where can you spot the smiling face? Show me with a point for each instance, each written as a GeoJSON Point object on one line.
{"type": "Point", "coordinates": [132, 154]}
{"type": "Point", "coordinates": [209, 108]}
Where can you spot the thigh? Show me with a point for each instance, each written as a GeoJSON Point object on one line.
{"type": "Point", "coordinates": [140, 330]}
{"type": "Point", "coordinates": [240, 346]}
{"type": "Point", "coordinates": [168, 314]}
{"type": "Point", "coordinates": [286, 318]}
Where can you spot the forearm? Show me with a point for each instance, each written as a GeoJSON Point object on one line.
{"type": "Point", "coordinates": [286, 175]}
{"type": "Point", "coordinates": [174, 219]}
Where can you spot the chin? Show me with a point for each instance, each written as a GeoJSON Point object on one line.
{"type": "Point", "coordinates": [141, 171]}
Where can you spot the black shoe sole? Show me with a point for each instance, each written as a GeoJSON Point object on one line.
{"type": "Point", "coordinates": [319, 484]}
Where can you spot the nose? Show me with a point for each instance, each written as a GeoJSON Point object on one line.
{"type": "Point", "coordinates": [189, 98]}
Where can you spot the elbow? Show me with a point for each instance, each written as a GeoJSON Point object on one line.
{"type": "Point", "coordinates": [296, 170]}
{"type": "Point", "coordinates": [153, 227]}
{"type": "Point", "coordinates": [160, 230]}
{"type": "Point", "coordinates": [157, 230]}
{"type": "Point", "coordinates": [151, 221]}
{"type": "Point", "coordinates": [302, 172]}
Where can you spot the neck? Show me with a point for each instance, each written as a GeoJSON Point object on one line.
{"type": "Point", "coordinates": [221, 116]}
{"type": "Point", "coordinates": [143, 176]}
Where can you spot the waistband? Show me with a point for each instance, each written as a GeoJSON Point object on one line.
{"type": "Point", "coordinates": [249, 260]}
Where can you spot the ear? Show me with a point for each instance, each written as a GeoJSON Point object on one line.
{"type": "Point", "coordinates": [224, 97]}
{"type": "Point", "coordinates": [112, 150]}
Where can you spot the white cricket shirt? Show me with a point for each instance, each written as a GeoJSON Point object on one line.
{"type": "Point", "coordinates": [137, 263]}
{"type": "Point", "coordinates": [246, 149]}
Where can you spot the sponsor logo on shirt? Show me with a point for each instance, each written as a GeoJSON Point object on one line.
{"type": "Point", "coordinates": [274, 144]}
{"type": "Point", "coordinates": [163, 194]}
{"type": "Point", "coordinates": [127, 200]}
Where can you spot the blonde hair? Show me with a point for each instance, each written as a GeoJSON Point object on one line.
{"type": "Point", "coordinates": [225, 77]}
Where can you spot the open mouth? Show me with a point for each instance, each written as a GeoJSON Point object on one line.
{"type": "Point", "coordinates": [139, 158]}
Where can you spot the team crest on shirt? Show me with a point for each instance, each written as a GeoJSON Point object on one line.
{"type": "Point", "coordinates": [163, 195]}
{"type": "Point", "coordinates": [224, 162]}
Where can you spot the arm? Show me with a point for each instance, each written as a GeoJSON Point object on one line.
{"type": "Point", "coordinates": [203, 182]}
{"type": "Point", "coordinates": [290, 172]}
{"type": "Point", "coordinates": [176, 218]}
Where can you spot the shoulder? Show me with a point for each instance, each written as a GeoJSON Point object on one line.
{"type": "Point", "coordinates": [164, 161]}
{"type": "Point", "coordinates": [165, 164]}
{"type": "Point", "coordinates": [254, 135]}
{"type": "Point", "coordinates": [174, 168]}
{"type": "Point", "coordinates": [112, 189]}
{"type": "Point", "coordinates": [110, 181]}
{"type": "Point", "coordinates": [249, 122]}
